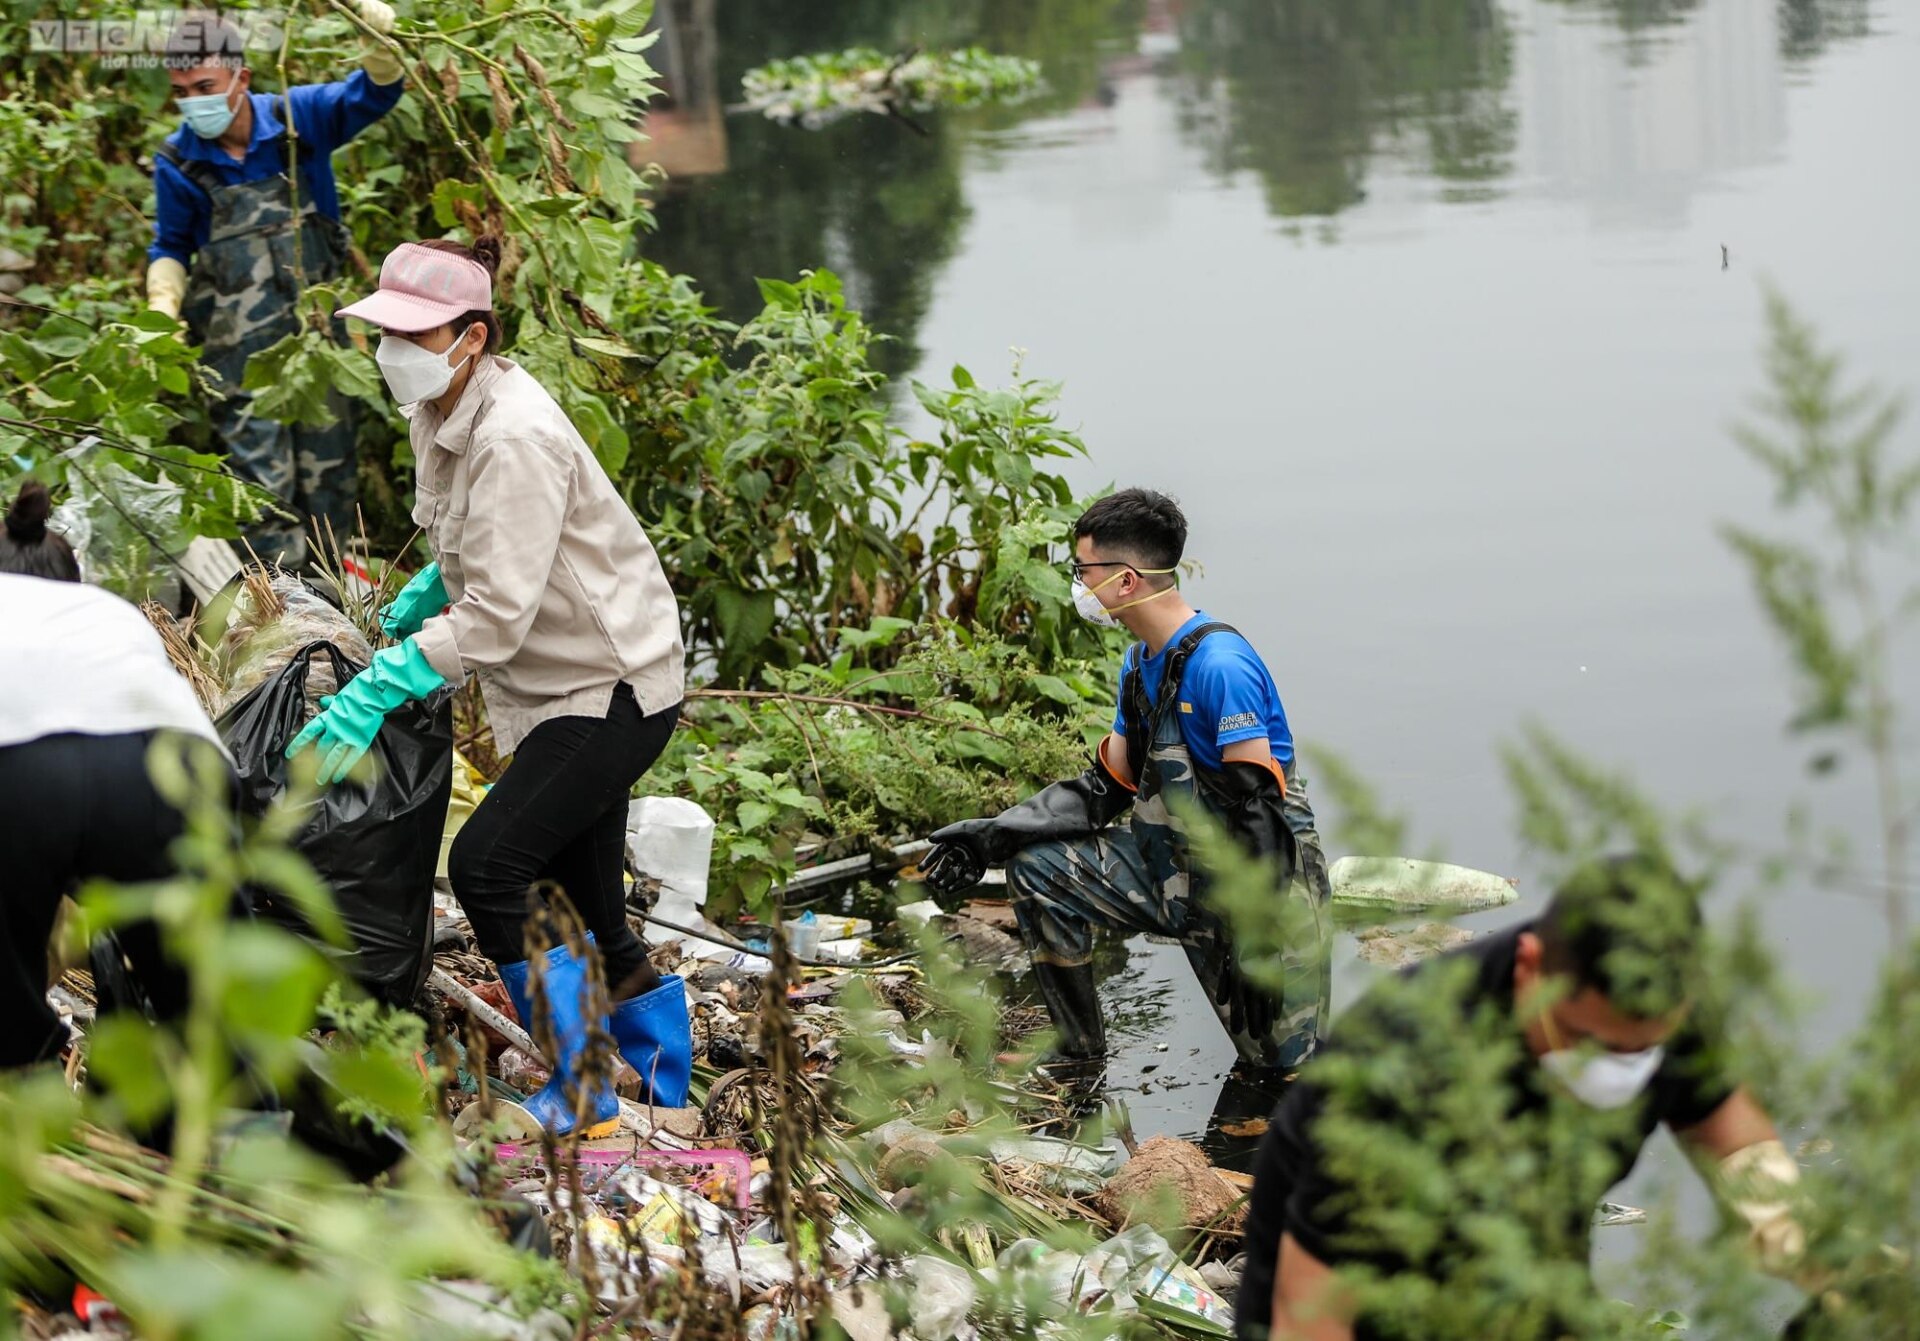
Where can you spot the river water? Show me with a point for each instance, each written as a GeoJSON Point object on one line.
{"type": "Point", "coordinates": [1434, 314]}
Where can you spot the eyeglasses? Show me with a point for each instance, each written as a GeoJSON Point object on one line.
{"type": "Point", "coordinates": [1079, 568]}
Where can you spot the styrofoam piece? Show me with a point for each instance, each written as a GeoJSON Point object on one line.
{"type": "Point", "coordinates": [1406, 884]}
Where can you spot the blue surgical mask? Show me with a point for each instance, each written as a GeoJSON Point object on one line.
{"type": "Point", "coordinates": [209, 114]}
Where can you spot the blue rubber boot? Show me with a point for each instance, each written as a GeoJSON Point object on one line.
{"type": "Point", "coordinates": [655, 1037]}
{"type": "Point", "coordinates": [565, 982]}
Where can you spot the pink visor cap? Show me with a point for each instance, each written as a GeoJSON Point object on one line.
{"type": "Point", "coordinates": [423, 287]}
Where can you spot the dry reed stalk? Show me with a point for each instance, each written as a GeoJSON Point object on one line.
{"type": "Point", "coordinates": [186, 654]}
{"type": "Point", "coordinates": [267, 605]}
{"type": "Point", "coordinates": [330, 563]}
{"type": "Point", "coordinates": [361, 599]}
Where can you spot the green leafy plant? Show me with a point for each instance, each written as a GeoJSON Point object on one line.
{"type": "Point", "coordinates": [230, 1231]}
{"type": "Point", "coordinates": [816, 89]}
{"type": "Point", "coordinates": [886, 742]}
{"type": "Point", "coordinates": [1842, 603]}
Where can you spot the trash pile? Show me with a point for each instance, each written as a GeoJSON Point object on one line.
{"type": "Point", "coordinates": [695, 1195]}
{"type": "Point", "coordinates": [767, 1199]}
{"type": "Point", "coordinates": [258, 626]}
{"type": "Point", "coordinates": [1142, 1237]}
{"type": "Point", "coordinates": [274, 617]}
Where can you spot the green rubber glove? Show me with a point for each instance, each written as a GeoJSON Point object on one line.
{"type": "Point", "coordinates": [424, 596]}
{"type": "Point", "coordinates": [350, 719]}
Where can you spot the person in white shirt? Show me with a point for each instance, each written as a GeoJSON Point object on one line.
{"type": "Point", "coordinates": [85, 688]}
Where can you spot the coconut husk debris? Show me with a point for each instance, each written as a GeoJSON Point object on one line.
{"type": "Point", "coordinates": [1169, 1184]}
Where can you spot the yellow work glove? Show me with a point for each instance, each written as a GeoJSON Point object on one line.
{"type": "Point", "coordinates": [1758, 1184]}
{"type": "Point", "coordinates": [381, 65]}
{"type": "Point", "coordinates": [166, 286]}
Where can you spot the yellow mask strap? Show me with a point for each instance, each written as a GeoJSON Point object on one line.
{"type": "Point", "coordinates": [1143, 572]}
{"type": "Point", "coordinates": [1553, 1035]}
{"type": "Point", "coordinates": [1164, 591]}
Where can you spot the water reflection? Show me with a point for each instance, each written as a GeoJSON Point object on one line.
{"type": "Point", "coordinates": [1318, 101]}
{"type": "Point", "coordinates": [686, 129]}
{"type": "Point", "coordinates": [1806, 28]}
{"type": "Point", "coordinates": [1481, 394]}
{"type": "Point", "coordinates": [1809, 27]}
{"type": "Point", "coordinates": [868, 198]}
{"type": "Point", "coordinates": [1307, 93]}
{"type": "Point", "coordinates": [1636, 132]}
{"type": "Point", "coordinates": [1644, 25]}
{"type": "Point", "coordinates": [864, 197]}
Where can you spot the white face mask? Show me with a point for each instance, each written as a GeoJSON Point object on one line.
{"type": "Point", "coordinates": [414, 373]}
{"type": "Point", "coordinates": [1090, 608]}
{"type": "Point", "coordinates": [1604, 1079]}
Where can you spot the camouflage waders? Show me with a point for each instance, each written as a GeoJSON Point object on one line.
{"type": "Point", "coordinates": [242, 298]}
{"type": "Point", "coordinates": [1138, 879]}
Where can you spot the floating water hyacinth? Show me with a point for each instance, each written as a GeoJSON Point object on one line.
{"type": "Point", "coordinates": [814, 90]}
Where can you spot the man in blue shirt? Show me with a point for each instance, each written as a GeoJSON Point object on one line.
{"type": "Point", "coordinates": [1199, 722]}
{"type": "Point", "coordinates": [245, 183]}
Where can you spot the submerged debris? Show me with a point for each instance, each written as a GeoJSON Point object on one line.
{"type": "Point", "coordinates": [983, 945]}
{"type": "Point", "coordinates": [1397, 947]}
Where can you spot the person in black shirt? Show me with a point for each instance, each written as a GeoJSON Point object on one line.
{"type": "Point", "coordinates": [1441, 1159]}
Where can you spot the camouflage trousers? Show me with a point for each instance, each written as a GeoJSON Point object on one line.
{"type": "Point", "coordinates": [1062, 890]}
{"type": "Point", "coordinates": [312, 474]}
{"type": "Point", "coordinates": [242, 298]}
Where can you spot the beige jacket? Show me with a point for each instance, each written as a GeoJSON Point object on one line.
{"type": "Point", "coordinates": [556, 593]}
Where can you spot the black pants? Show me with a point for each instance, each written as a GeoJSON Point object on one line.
{"type": "Point", "coordinates": [75, 808]}
{"type": "Point", "coordinates": [559, 813]}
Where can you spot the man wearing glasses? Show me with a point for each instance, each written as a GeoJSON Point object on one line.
{"type": "Point", "coordinates": [1199, 724]}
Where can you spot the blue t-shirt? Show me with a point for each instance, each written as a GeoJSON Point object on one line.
{"type": "Point", "coordinates": [1227, 695]}
{"type": "Point", "coordinates": [325, 115]}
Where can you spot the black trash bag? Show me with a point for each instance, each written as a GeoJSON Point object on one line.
{"type": "Point", "coordinates": [361, 1148]}
{"type": "Point", "coordinates": [375, 843]}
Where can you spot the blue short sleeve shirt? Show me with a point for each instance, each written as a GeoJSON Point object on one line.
{"type": "Point", "coordinates": [326, 117]}
{"type": "Point", "coordinates": [1227, 695]}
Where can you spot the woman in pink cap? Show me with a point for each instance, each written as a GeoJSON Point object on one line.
{"type": "Point", "coordinates": [544, 586]}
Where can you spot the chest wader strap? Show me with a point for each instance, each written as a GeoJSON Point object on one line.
{"type": "Point", "coordinates": [207, 177]}
{"type": "Point", "coordinates": [1142, 717]}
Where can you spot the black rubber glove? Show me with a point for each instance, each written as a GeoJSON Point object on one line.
{"type": "Point", "coordinates": [1249, 801]}
{"type": "Point", "coordinates": [1074, 808]}
{"type": "Point", "coordinates": [952, 867]}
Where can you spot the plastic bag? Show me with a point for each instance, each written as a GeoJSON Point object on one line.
{"type": "Point", "coordinates": [941, 1295]}
{"type": "Point", "coordinates": [374, 842]}
{"type": "Point", "coordinates": [1130, 1267]}
{"type": "Point", "coordinates": [123, 529]}
{"type": "Point", "coordinates": [671, 839]}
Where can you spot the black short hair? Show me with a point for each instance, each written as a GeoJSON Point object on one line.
{"type": "Point", "coordinates": [1140, 525]}
{"type": "Point", "coordinates": [1629, 927]}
